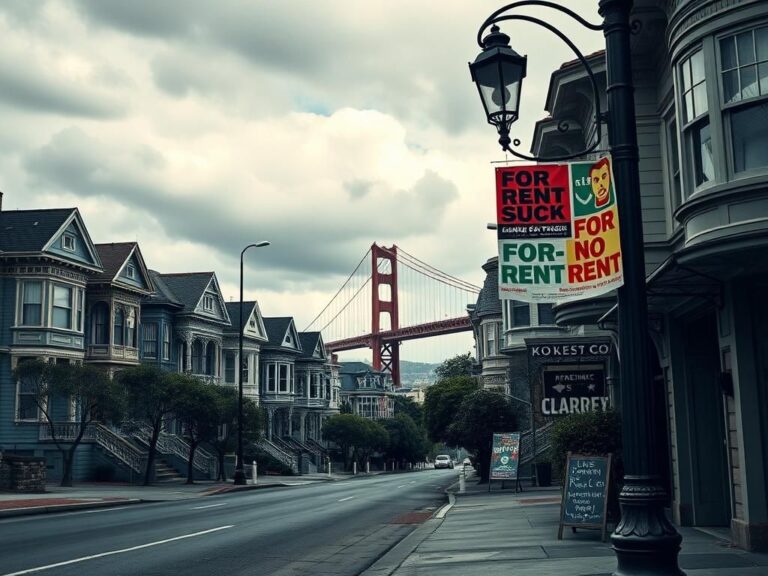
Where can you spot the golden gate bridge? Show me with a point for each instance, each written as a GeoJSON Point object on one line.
{"type": "Point", "coordinates": [390, 297]}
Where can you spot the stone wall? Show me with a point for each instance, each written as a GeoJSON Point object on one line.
{"type": "Point", "coordinates": [22, 473]}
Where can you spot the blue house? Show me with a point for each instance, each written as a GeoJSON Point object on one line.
{"type": "Point", "coordinates": [47, 260]}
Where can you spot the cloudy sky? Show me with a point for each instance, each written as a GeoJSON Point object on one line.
{"type": "Point", "coordinates": [196, 127]}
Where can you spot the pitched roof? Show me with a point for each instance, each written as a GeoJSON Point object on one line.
{"type": "Point", "coordinates": [30, 230]}
{"type": "Point", "coordinates": [187, 287]}
{"type": "Point", "coordinates": [354, 367]}
{"type": "Point", "coordinates": [276, 330]}
{"type": "Point", "coordinates": [113, 256]}
{"type": "Point", "coordinates": [309, 341]}
{"type": "Point", "coordinates": [163, 294]}
{"type": "Point", "coordinates": [233, 309]}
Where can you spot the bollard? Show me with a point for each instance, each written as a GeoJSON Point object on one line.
{"type": "Point", "coordinates": [462, 480]}
{"type": "Point", "coordinates": [367, 466]}
{"type": "Point", "coordinates": [255, 472]}
{"type": "Point", "coordinates": [329, 467]}
{"type": "Point", "coordinates": [393, 465]}
{"type": "Point", "coordinates": [354, 468]}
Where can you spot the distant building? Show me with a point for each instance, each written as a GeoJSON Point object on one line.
{"type": "Point", "coordinates": [368, 392]}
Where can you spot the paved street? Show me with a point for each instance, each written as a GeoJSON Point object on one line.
{"type": "Point", "coordinates": [337, 528]}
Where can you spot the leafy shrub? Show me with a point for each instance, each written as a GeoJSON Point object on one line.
{"type": "Point", "coordinates": [593, 433]}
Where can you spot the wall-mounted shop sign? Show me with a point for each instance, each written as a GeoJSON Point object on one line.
{"type": "Point", "coordinates": [569, 389]}
{"type": "Point", "coordinates": [569, 375]}
{"type": "Point", "coordinates": [558, 231]}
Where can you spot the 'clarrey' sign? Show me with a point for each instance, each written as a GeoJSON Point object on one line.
{"type": "Point", "coordinates": [558, 231]}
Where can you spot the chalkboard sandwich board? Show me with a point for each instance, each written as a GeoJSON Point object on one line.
{"type": "Point", "coordinates": [585, 493]}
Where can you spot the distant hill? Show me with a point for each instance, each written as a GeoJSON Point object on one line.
{"type": "Point", "coordinates": [411, 372]}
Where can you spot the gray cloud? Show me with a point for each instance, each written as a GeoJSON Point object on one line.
{"type": "Point", "coordinates": [26, 86]}
{"type": "Point", "coordinates": [309, 242]}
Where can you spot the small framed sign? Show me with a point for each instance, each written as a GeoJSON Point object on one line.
{"type": "Point", "coordinates": [585, 493]}
{"type": "Point", "coordinates": [505, 457]}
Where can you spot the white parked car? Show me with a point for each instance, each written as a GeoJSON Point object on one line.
{"type": "Point", "coordinates": [443, 461]}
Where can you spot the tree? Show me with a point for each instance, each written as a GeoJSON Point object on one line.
{"type": "Point", "coordinates": [89, 392]}
{"type": "Point", "coordinates": [441, 403]}
{"type": "Point", "coordinates": [253, 424]}
{"type": "Point", "coordinates": [356, 437]}
{"type": "Point", "coordinates": [405, 405]}
{"type": "Point", "coordinates": [196, 408]}
{"type": "Point", "coordinates": [151, 397]}
{"type": "Point", "coordinates": [407, 442]}
{"type": "Point", "coordinates": [459, 365]}
{"type": "Point", "coordinates": [480, 415]}
{"type": "Point", "coordinates": [375, 439]}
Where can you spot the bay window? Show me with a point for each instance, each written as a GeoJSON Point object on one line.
{"type": "Point", "coordinates": [744, 77]}
{"type": "Point", "coordinates": [62, 307]}
{"type": "Point", "coordinates": [696, 119]}
{"type": "Point", "coordinates": [32, 303]}
{"type": "Point", "coordinates": [150, 340]}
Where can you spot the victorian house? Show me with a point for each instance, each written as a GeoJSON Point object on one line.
{"type": "Point", "coordinates": [113, 307]}
{"type": "Point", "coordinates": [47, 259]}
{"type": "Point", "coordinates": [278, 375]}
{"type": "Point", "coordinates": [254, 335]}
{"type": "Point", "coordinates": [199, 324]}
{"type": "Point", "coordinates": [369, 393]}
{"type": "Point", "coordinates": [316, 395]}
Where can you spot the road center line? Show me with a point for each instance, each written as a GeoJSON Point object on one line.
{"type": "Point", "coordinates": [401, 486]}
{"type": "Point", "coordinates": [347, 498]}
{"type": "Point", "coordinates": [208, 506]}
{"type": "Point", "coordinates": [113, 552]}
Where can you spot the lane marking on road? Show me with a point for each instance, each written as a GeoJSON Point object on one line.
{"type": "Point", "coordinates": [401, 486]}
{"type": "Point", "coordinates": [98, 510]}
{"type": "Point", "coordinates": [113, 552]}
{"type": "Point", "coordinates": [347, 498]}
{"type": "Point", "coordinates": [208, 506]}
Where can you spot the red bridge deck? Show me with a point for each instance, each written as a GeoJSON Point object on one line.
{"type": "Point", "coordinates": [439, 328]}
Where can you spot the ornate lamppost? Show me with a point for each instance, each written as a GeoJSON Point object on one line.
{"type": "Point", "coordinates": [239, 477]}
{"type": "Point", "coordinates": [645, 541]}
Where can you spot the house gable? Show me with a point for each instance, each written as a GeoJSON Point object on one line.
{"type": "Point", "coordinates": [134, 273]}
{"type": "Point", "coordinates": [319, 351]}
{"type": "Point", "coordinates": [254, 327]}
{"type": "Point", "coordinates": [291, 337]}
{"type": "Point", "coordinates": [211, 303]}
{"type": "Point", "coordinates": [72, 242]}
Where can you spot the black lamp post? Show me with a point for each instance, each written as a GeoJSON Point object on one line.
{"type": "Point", "coordinates": [645, 541]}
{"type": "Point", "coordinates": [239, 477]}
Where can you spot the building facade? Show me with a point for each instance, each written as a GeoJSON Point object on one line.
{"type": "Point", "coordinates": [700, 70]}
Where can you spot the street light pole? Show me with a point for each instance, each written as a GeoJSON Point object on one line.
{"type": "Point", "coordinates": [239, 477]}
{"type": "Point", "coordinates": [645, 541]}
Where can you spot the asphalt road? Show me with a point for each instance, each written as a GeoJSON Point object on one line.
{"type": "Point", "coordinates": [334, 528]}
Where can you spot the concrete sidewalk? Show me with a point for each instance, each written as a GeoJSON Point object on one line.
{"type": "Point", "coordinates": [504, 533]}
{"type": "Point", "coordinates": [99, 495]}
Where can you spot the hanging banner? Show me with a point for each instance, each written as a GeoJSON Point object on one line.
{"type": "Point", "coordinates": [558, 231]}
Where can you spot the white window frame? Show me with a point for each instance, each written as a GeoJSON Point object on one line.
{"type": "Point", "coordinates": [69, 242]}
{"type": "Point", "coordinates": [69, 308]}
{"type": "Point", "coordinates": [208, 302]}
{"type": "Point", "coordinates": [130, 271]}
{"type": "Point", "coordinates": [22, 291]}
{"type": "Point", "coordinates": [690, 128]}
{"type": "Point", "coordinates": [728, 109]}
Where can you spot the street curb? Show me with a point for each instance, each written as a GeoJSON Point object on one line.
{"type": "Point", "coordinates": [395, 556]}
{"type": "Point", "coordinates": [54, 508]}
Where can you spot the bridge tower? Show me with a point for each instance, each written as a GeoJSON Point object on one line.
{"type": "Point", "coordinates": [386, 355]}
